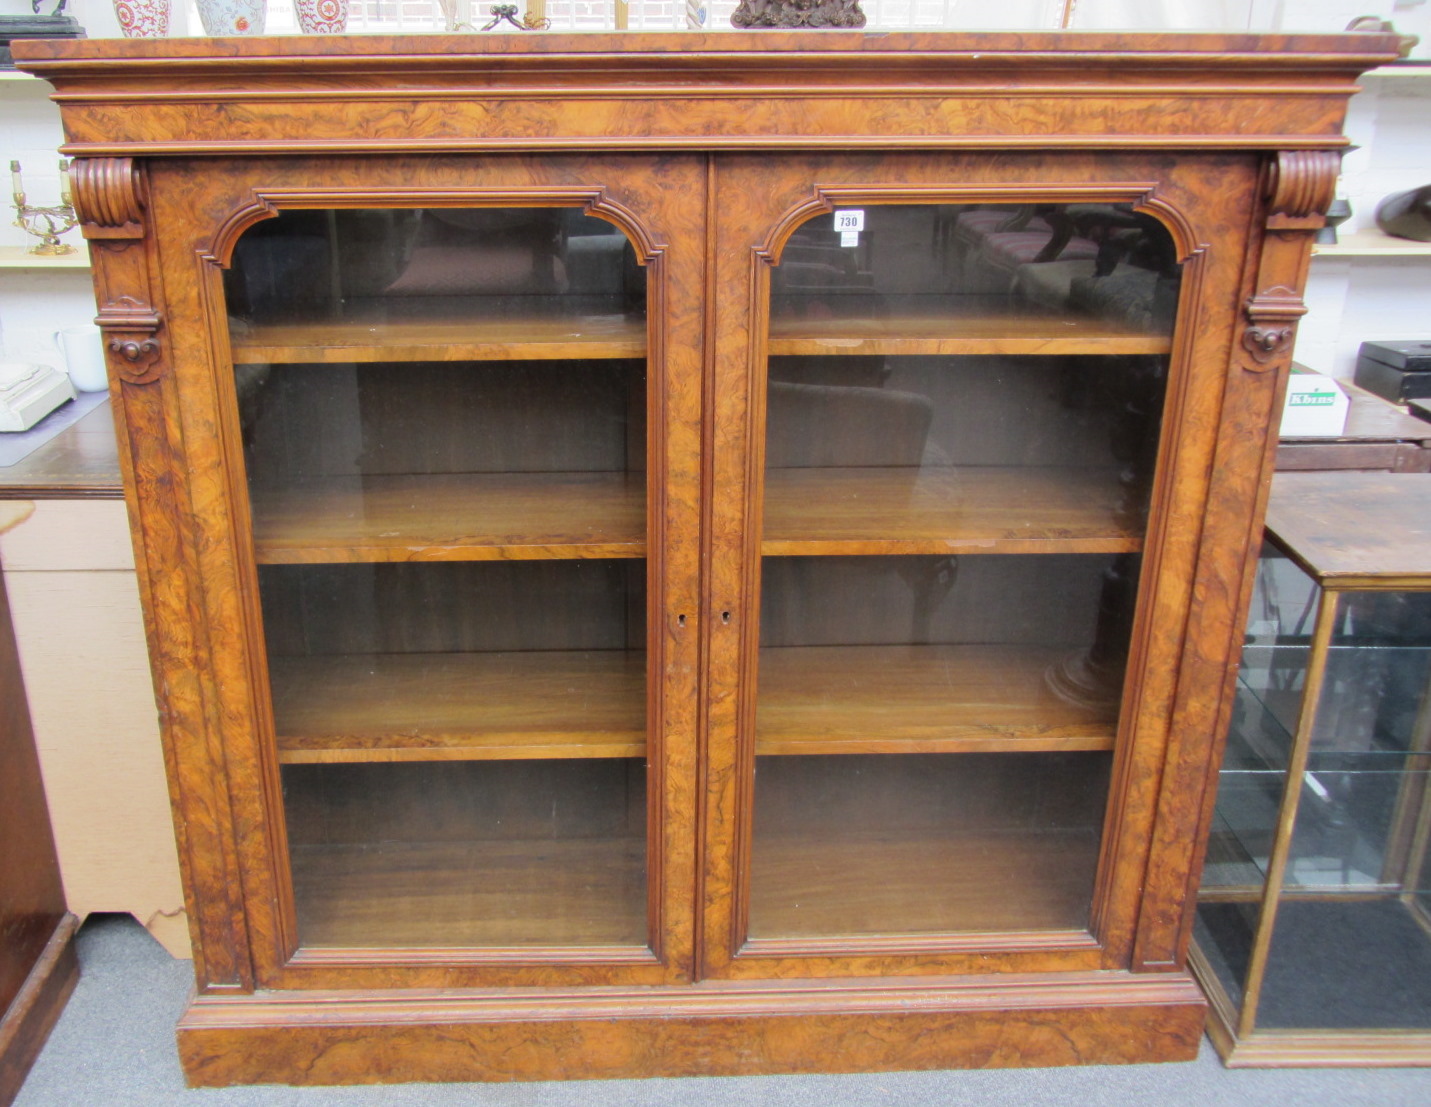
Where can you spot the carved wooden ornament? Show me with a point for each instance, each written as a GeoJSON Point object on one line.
{"type": "Point", "coordinates": [109, 200]}
{"type": "Point", "coordinates": [798, 13]}
{"type": "Point", "coordinates": [1272, 325]}
{"type": "Point", "coordinates": [107, 197]}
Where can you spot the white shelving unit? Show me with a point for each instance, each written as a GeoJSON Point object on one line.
{"type": "Point", "coordinates": [1371, 286]}
{"type": "Point", "coordinates": [38, 295]}
{"type": "Point", "coordinates": [1369, 244]}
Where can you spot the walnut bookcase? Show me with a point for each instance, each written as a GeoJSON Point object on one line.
{"type": "Point", "coordinates": [695, 554]}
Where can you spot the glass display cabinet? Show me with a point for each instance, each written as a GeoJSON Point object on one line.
{"type": "Point", "coordinates": [695, 554]}
{"type": "Point", "coordinates": [1314, 919]}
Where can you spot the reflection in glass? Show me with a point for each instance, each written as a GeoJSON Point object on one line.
{"type": "Point", "coordinates": [963, 412]}
{"type": "Point", "coordinates": [443, 418]}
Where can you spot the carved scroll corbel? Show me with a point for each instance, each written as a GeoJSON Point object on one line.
{"type": "Point", "coordinates": [1301, 185]}
{"type": "Point", "coordinates": [109, 199]}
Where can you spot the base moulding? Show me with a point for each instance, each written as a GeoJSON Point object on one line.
{"type": "Point", "coordinates": [707, 1029]}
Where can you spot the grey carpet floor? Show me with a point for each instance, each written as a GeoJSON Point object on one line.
{"type": "Point", "coordinates": [114, 1047]}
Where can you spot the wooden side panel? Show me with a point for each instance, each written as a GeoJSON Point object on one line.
{"type": "Point", "coordinates": [37, 965]}
{"type": "Point", "coordinates": [26, 1022]}
{"type": "Point", "coordinates": [32, 899]}
{"type": "Point", "coordinates": [111, 199]}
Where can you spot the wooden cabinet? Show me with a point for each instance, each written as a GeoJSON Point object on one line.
{"type": "Point", "coordinates": [38, 966]}
{"type": "Point", "coordinates": [695, 554]}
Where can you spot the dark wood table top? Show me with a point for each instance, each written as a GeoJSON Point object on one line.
{"type": "Point", "coordinates": [1355, 530]}
{"type": "Point", "coordinates": [81, 461]}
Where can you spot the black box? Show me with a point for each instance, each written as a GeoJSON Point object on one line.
{"type": "Point", "coordinates": [1395, 371]}
{"type": "Point", "coordinates": [34, 26]}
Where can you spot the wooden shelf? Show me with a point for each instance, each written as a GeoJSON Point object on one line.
{"type": "Point", "coordinates": [544, 892]}
{"type": "Point", "coordinates": [1371, 243]}
{"type": "Point", "coordinates": [553, 892]}
{"type": "Point", "coordinates": [919, 699]}
{"type": "Point", "coordinates": [19, 257]}
{"type": "Point", "coordinates": [510, 337]}
{"type": "Point", "coordinates": [460, 707]}
{"type": "Point", "coordinates": [1414, 69]}
{"type": "Point", "coordinates": [982, 881]}
{"type": "Point", "coordinates": [987, 326]}
{"type": "Point", "coordinates": [547, 704]}
{"type": "Point", "coordinates": [452, 517]}
{"type": "Point", "coordinates": [942, 511]}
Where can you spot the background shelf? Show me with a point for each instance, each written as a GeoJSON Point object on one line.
{"type": "Point", "coordinates": [1373, 244]}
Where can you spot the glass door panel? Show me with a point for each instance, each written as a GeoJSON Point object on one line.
{"type": "Point", "coordinates": [962, 420]}
{"type": "Point", "coordinates": [444, 426]}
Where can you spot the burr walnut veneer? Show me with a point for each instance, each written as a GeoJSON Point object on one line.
{"type": "Point", "coordinates": [695, 553]}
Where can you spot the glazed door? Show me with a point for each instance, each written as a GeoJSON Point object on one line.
{"type": "Point", "coordinates": [455, 422]}
{"type": "Point", "coordinates": [955, 398]}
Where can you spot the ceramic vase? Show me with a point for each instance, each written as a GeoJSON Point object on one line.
{"type": "Point", "coordinates": [233, 17]}
{"type": "Point", "coordinates": [143, 18]}
{"type": "Point", "coordinates": [322, 17]}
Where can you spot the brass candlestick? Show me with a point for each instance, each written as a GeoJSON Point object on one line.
{"type": "Point", "coordinates": [46, 224]}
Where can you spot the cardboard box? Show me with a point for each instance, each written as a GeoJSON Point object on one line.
{"type": "Point", "coordinates": [1315, 407]}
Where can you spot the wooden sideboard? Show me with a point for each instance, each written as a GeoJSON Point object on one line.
{"type": "Point", "coordinates": [695, 553]}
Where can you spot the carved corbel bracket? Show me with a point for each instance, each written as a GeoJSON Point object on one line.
{"type": "Point", "coordinates": [131, 332]}
{"type": "Point", "coordinates": [1271, 326]}
{"type": "Point", "coordinates": [1301, 186]}
{"type": "Point", "coordinates": [109, 199]}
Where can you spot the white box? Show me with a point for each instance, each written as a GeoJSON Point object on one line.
{"type": "Point", "coordinates": [1315, 407]}
{"type": "Point", "coordinates": [30, 392]}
